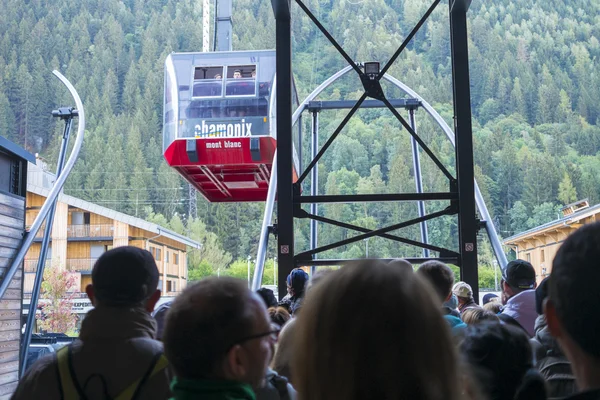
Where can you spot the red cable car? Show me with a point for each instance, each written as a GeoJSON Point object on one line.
{"type": "Point", "coordinates": [219, 127]}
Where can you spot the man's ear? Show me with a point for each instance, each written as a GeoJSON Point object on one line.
{"type": "Point", "coordinates": [151, 302]}
{"type": "Point", "coordinates": [554, 325]}
{"type": "Point", "coordinates": [234, 366]}
{"type": "Point", "coordinates": [89, 290]}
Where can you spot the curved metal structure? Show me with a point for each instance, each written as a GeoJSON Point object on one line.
{"type": "Point", "coordinates": [491, 231]}
{"type": "Point", "coordinates": [56, 189]}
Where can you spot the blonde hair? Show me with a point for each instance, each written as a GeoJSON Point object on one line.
{"type": "Point", "coordinates": [494, 306]}
{"type": "Point", "coordinates": [345, 350]}
{"type": "Point", "coordinates": [475, 315]}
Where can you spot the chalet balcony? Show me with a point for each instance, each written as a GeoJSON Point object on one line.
{"type": "Point", "coordinates": [31, 265]}
{"type": "Point", "coordinates": [89, 231]}
{"type": "Point", "coordinates": [81, 264]}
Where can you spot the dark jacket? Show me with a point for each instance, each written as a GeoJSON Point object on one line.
{"type": "Point", "coordinates": [276, 388]}
{"type": "Point", "coordinates": [470, 304]}
{"type": "Point", "coordinates": [589, 395]}
{"type": "Point", "coordinates": [551, 362]}
{"type": "Point", "coordinates": [118, 344]}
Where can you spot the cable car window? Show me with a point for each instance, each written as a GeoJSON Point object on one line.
{"type": "Point", "coordinates": [241, 80]}
{"type": "Point", "coordinates": [208, 82]}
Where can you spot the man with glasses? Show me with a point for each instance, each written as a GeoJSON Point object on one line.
{"type": "Point", "coordinates": [219, 340]}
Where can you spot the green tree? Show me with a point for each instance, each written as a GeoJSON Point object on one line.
{"type": "Point", "coordinates": [566, 191]}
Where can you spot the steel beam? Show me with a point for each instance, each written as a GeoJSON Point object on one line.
{"type": "Point", "coordinates": [467, 221]}
{"type": "Point", "coordinates": [363, 198]}
{"type": "Point", "coordinates": [326, 262]}
{"type": "Point", "coordinates": [346, 104]}
{"type": "Point", "coordinates": [314, 184]}
{"type": "Point", "coordinates": [418, 181]}
{"type": "Point", "coordinates": [285, 206]}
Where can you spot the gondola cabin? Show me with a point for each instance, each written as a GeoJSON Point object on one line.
{"type": "Point", "coordinates": [219, 122]}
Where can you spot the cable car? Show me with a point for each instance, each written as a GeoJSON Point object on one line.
{"type": "Point", "coordinates": [219, 128]}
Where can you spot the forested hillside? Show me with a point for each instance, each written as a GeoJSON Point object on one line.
{"type": "Point", "coordinates": [535, 96]}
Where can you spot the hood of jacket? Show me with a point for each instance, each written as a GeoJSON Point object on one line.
{"type": "Point", "coordinates": [107, 323]}
{"type": "Point", "coordinates": [521, 308]}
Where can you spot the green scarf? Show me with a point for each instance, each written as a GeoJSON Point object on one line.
{"type": "Point", "coordinates": [188, 389]}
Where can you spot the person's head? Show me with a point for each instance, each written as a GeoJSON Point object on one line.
{"type": "Point", "coordinates": [279, 315]}
{"type": "Point", "coordinates": [284, 353]}
{"type": "Point", "coordinates": [489, 297]}
{"type": "Point", "coordinates": [237, 74]}
{"type": "Point", "coordinates": [495, 306]}
{"type": "Point", "coordinates": [452, 302]}
{"type": "Point", "coordinates": [218, 76]}
{"type": "Point", "coordinates": [440, 276]}
{"type": "Point", "coordinates": [571, 308]}
{"type": "Point", "coordinates": [296, 282]}
{"type": "Point", "coordinates": [518, 276]}
{"type": "Point", "coordinates": [253, 73]}
{"type": "Point", "coordinates": [125, 277]}
{"type": "Point", "coordinates": [476, 315]}
{"type": "Point", "coordinates": [317, 277]}
{"type": "Point", "coordinates": [401, 263]}
{"type": "Point", "coordinates": [345, 350]}
{"type": "Point", "coordinates": [463, 292]}
{"type": "Point", "coordinates": [268, 297]}
{"type": "Point", "coordinates": [218, 329]}
{"type": "Point", "coordinates": [541, 293]}
{"type": "Point", "coordinates": [500, 361]}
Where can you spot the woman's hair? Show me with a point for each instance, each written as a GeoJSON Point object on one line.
{"type": "Point", "coordinates": [495, 306]}
{"type": "Point", "coordinates": [279, 315]}
{"type": "Point", "coordinates": [476, 315]}
{"type": "Point", "coordinates": [345, 350]}
{"type": "Point", "coordinates": [500, 362]}
{"type": "Point", "coordinates": [282, 358]}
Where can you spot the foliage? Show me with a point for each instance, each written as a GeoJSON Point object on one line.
{"type": "Point", "coordinates": [58, 289]}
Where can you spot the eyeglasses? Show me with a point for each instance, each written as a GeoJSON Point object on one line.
{"type": "Point", "coordinates": [273, 333]}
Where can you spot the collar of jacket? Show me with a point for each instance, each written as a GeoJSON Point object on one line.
{"type": "Point", "coordinates": [117, 323]}
{"type": "Point", "coordinates": [189, 389]}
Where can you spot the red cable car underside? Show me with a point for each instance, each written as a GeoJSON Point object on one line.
{"type": "Point", "coordinates": [235, 169]}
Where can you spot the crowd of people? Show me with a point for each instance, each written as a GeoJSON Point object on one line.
{"type": "Point", "coordinates": [369, 330]}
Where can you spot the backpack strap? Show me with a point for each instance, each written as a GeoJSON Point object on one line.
{"type": "Point", "coordinates": [158, 364]}
{"type": "Point", "coordinates": [69, 386]}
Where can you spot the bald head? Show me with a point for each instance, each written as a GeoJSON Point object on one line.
{"type": "Point", "coordinates": [206, 321]}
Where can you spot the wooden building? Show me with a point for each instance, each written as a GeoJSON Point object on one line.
{"type": "Point", "coordinates": [539, 245]}
{"type": "Point", "coordinates": [82, 231]}
{"type": "Point", "coordinates": [13, 183]}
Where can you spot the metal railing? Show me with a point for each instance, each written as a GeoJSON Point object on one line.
{"type": "Point", "coordinates": [80, 264]}
{"type": "Point", "coordinates": [31, 265]}
{"type": "Point", "coordinates": [83, 231]}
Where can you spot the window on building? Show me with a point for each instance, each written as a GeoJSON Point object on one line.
{"type": "Point", "coordinates": [158, 255]}
{"type": "Point", "coordinates": [170, 286]}
{"type": "Point", "coordinates": [175, 258]}
{"type": "Point", "coordinates": [543, 256]}
{"type": "Point", "coordinates": [528, 256]}
{"type": "Point", "coordinates": [86, 218]}
{"type": "Point", "coordinates": [167, 256]}
{"type": "Point", "coordinates": [77, 218]}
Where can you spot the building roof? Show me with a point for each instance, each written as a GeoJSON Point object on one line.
{"type": "Point", "coordinates": [12, 148]}
{"type": "Point", "coordinates": [40, 182]}
{"type": "Point", "coordinates": [562, 221]}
